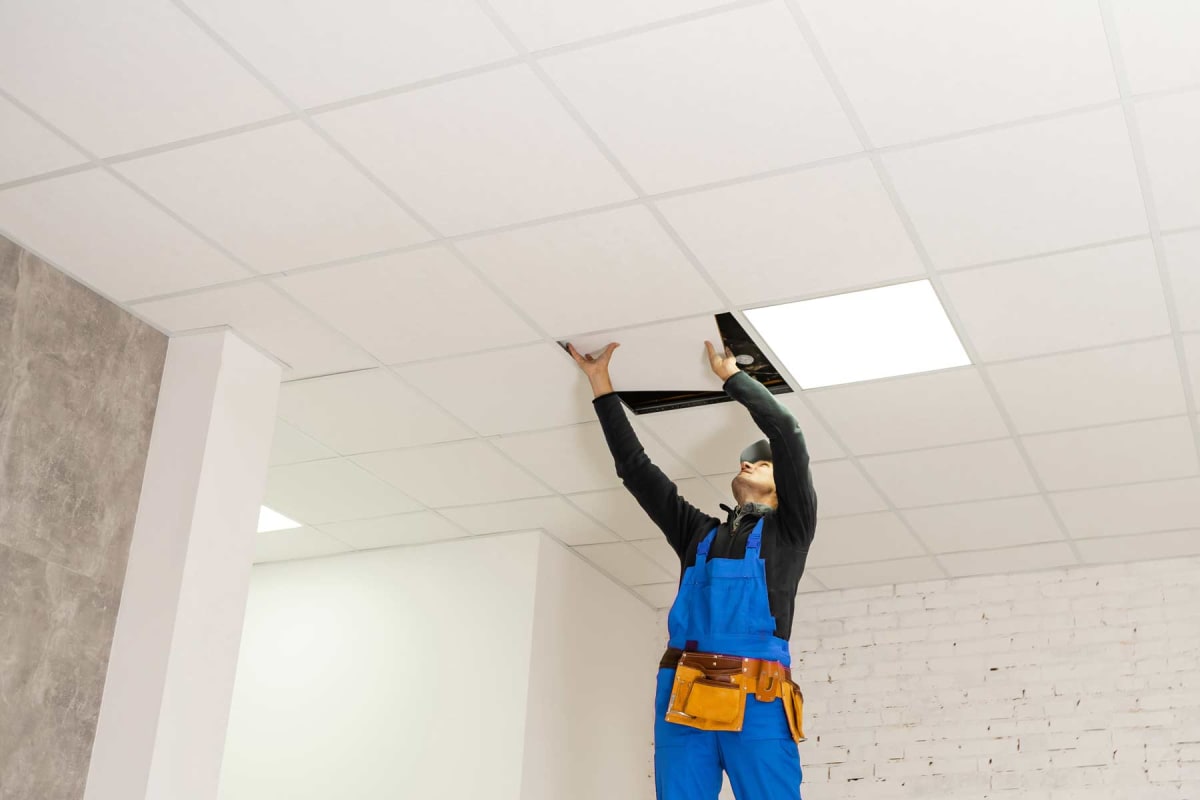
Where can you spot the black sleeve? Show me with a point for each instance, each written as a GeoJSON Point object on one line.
{"type": "Point", "coordinates": [793, 480]}
{"type": "Point", "coordinates": [657, 494]}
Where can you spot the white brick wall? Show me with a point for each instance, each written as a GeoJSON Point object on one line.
{"type": "Point", "coordinates": [1079, 684]}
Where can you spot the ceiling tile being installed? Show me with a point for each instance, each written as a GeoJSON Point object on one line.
{"type": "Point", "coordinates": [1089, 298]}
{"type": "Point", "coordinates": [674, 115]}
{"type": "Point", "coordinates": [807, 233]}
{"type": "Point", "coordinates": [941, 408]}
{"type": "Point", "coordinates": [266, 317]}
{"type": "Point", "coordinates": [1094, 387]}
{"type": "Point", "coordinates": [479, 152]}
{"type": "Point", "coordinates": [1055, 184]}
{"type": "Point", "coordinates": [122, 75]}
{"type": "Point", "coordinates": [318, 52]}
{"type": "Point", "coordinates": [543, 388]}
{"type": "Point", "coordinates": [114, 240]}
{"type": "Point", "coordinates": [247, 194]}
{"type": "Point", "coordinates": [29, 148]}
{"type": "Point", "coordinates": [410, 306]}
{"type": "Point", "coordinates": [359, 412]}
{"type": "Point", "coordinates": [593, 272]}
{"type": "Point", "coordinates": [920, 69]}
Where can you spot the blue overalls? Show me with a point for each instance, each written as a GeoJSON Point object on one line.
{"type": "Point", "coordinates": [722, 607]}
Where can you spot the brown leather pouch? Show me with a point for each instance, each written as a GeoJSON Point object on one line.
{"type": "Point", "coordinates": [793, 706]}
{"type": "Point", "coordinates": [709, 705]}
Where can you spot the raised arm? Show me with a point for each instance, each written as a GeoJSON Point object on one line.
{"type": "Point", "coordinates": [793, 480]}
{"type": "Point", "coordinates": [657, 494]}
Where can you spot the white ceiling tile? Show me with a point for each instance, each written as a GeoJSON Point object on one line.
{"type": "Point", "coordinates": [545, 23]}
{"type": "Point", "coordinates": [624, 562]}
{"type": "Point", "coordinates": [906, 570]}
{"type": "Point", "coordinates": [401, 529]}
{"type": "Point", "coordinates": [808, 584]}
{"type": "Point", "coordinates": [659, 595]}
{"type": "Point", "coordinates": [295, 543]}
{"type": "Point", "coordinates": [1183, 263]}
{"type": "Point", "coordinates": [1129, 453]}
{"type": "Point", "coordinates": [980, 471]}
{"type": "Point", "coordinates": [552, 514]}
{"type": "Point", "coordinates": [1170, 128]}
{"type": "Point", "coordinates": [989, 524]}
{"type": "Point", "coordinates": [922, 411]}
{"type": "Point", "coordinates": [1095, 387]}
{"type": "Point", "coordinates": [110, 237]}
{"type": "Point", "coordinates": [811, 232]}
{"type": "Point", "coordinates": [542, 269]}
{"type": "Point", "coordinates": [265, 317]}
{"type": "Point", "coordinates": [290, 445]}
{"type": "Point", "coordinates": [1051, 185]}
{"type": "Point", "coordinates": [920, 69]}
{"type": "Point", "coordinates": [576, 458]}
{"type": "Point", "coordinates": [246, 192]}
{"type": "Point", "coordinates": [462, 473]}
{"type": "Point", "coordinates": [661, 553]}
{"type": "Point", "coordinates": [1191, 349]}
{"type": "Point", "coordinates": [842, 489]}
{"type": "Point", "coordinates": [318, 492]}
{"type": "Point", "coordinates": [708, 494]}
{"type": "Point", "coordinates": [715, 98]}
{"type": "Point", "coordinates": [124, 74]}
{"type": "Point", "coordinates": [862, 537]}
{"type": "Point", "coordinates": [1089, 298]}
{"type": "Point", "coordinates": [1142, 547]}
{"type": "Point", "coordinates": [358, 412]}
{"type": "Point", "coordinates": [711, 437]}
{"type": "Point", "coordinates": [1013, 559]}
{"type": "Point", "coordinates": [1158, 42]}
{"type": "Point", "coordinates": [530, 159]}
{"type": "Point", "coordinates": [617, 509]}
{"type": "Point", "coordinates": [27, 148]}
{"type": "Point", "coordinates": [410, 306]}
{"type": "Point", "coordinates": [317, 52]}
{"type": "Point", "coordinates": [542, 388]}
{"type": "Point", "coordinates": [1140, 508]}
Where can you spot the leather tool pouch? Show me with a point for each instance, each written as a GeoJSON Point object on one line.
{"type": "Point", "coordinates": [793, 706]}
{"type": "Point", "coordinates": [700, 701]}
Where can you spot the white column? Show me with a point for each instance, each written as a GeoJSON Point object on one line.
{"type": "Point", "coordinates": [163, 716]}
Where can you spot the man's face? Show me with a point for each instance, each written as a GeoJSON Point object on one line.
{"type": "Point", "coordinates": [755, 476]}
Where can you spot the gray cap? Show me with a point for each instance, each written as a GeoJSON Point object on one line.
{"type": "Point", "coordinates": [759, 451]}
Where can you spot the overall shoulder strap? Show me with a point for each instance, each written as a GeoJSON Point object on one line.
{"type": "Point", "coordinates": [702, 550]}
{"type": "Point", "coordinates": [753, 543]}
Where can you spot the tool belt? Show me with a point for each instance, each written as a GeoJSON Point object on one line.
{"type": "Point", "coordinates": [710, 690]}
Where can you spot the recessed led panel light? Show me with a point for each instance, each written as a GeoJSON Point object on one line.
{"type": "Point", "coordinates": [876, 333]}
{"type": "Point", "coordinates": [269, 520]}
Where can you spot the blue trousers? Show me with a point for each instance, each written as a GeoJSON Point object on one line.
{"type": "Point", "coordinates": [762, 761]}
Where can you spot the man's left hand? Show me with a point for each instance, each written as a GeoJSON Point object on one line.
{"type": "Point", "coordinates": [723, 366]}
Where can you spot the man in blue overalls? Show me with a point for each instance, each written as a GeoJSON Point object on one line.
{"type": "Point", "coordinates": [725, 699]}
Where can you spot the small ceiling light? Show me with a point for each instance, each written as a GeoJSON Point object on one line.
{"type": "Point", "coordinates": [269, 520]}
{"type": "Point", "coordinates": [861, 336]}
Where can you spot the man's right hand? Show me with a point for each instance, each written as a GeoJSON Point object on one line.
{"type": "Point", "coordinates": [595, 367]}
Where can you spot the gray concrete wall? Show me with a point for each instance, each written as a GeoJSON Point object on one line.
{"type": "Point", "coordinates": [79, 382]}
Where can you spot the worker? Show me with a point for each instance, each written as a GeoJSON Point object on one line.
{"type": "Point", "coordinates": [725, 697]}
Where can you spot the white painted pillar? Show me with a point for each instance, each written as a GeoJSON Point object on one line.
{"type": "Point", "coordinates": [165, 708]}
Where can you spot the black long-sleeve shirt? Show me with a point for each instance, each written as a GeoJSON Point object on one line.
{"type": "Point", "coordinates": [787, 531]}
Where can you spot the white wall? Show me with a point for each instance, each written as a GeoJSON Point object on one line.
{"type": "Point", "coordinates": [596, 647]}
{"type": "Point", "coordinates": [396, 673]}
{"type": "Point", "coordinates": [1080, 684]}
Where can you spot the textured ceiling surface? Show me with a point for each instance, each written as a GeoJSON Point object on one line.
{"type": "Point", "coordinates": [408, 203]}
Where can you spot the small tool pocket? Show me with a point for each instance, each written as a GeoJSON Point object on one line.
{"type": "Point", "coordinates": [793, 706]}
{"type": "Point", "coordinates": [708, 705]}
